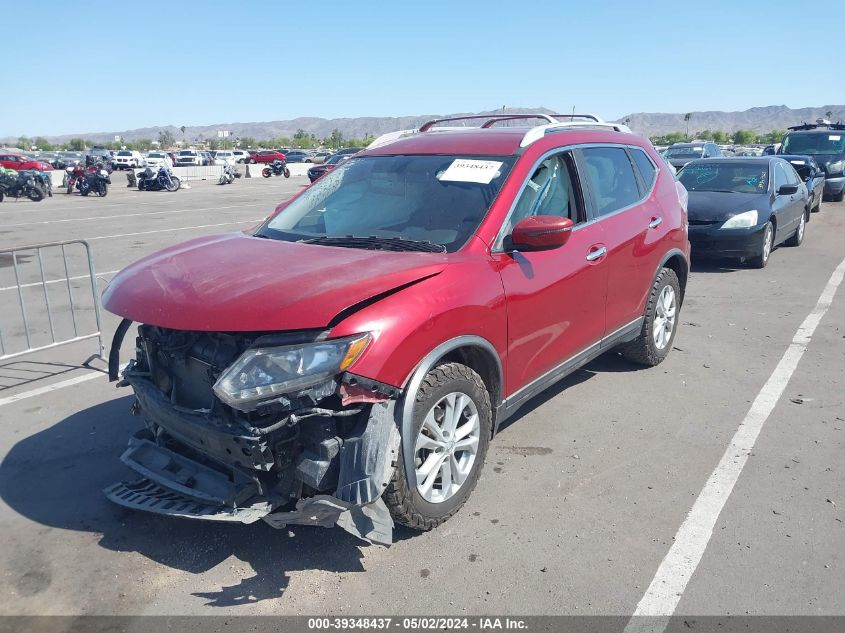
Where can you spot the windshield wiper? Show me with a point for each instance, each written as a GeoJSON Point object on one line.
{"type": "Point", "coordinates": [376, 243]}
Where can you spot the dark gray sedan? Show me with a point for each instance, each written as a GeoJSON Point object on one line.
{"type": "Point", "coordinates": [743, 207]}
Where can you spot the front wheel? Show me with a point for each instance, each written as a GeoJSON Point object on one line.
{"type": "Point", "coordinates": [766, 246]}
{"type": "Point", "coordinates": [69, 187]}
{"type": "Point", "coordinates": [798, 237]}
{"type": "Point", "coordinates": [660, 322]}
{"type": "Point", "coordinates": [287, 172]}
{"type": "Point", "coordinates": [174, 184]}
{"type": "Point", "coordinates": [452, 426]}
{"type": "Point", "coordinates": [102, 189]}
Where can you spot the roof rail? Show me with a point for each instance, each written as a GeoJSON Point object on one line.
{"type": "Point", "coordinates": [554, 122]}
{"type": "Point", "coordinates": [491, 119]}
{"type": "Point", "coordinates": [813, 126]}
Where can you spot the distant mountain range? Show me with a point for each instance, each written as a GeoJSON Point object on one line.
{"type": "Point", "coordinates": [762, 119]}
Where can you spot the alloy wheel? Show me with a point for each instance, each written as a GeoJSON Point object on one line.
{"type": "Point", "coordinates": [767, 242]}
{"type": "Point", "coordinates": [446, 447]}
{"type": "Point", "coordinates": [664, 317]}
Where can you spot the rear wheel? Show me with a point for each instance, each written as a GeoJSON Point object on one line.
{"type": "Point", "coordinates": [69, 187]}
{"type": "Point", "coordinates": [766, 246]}
{"type": "Point", "coordinates": [840, 196]}
{"type": "Point", "coordinates": [266, 172]}
{"type": "Point", "coordinates": [798, 236]}
{"type": "Point", "coordinates": [451, 431]}
{"type": "Point", "coordinates": [654, 342]}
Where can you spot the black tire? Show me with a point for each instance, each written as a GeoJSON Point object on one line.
{"type": "Point", "coordinates": [643, 350]}
{"type": "Point", "coordinates": [762, 259]}
{"type": "Point", "coordinates": [405, 503]}
{"type": "Point", "coordinates": [175, 184]}
{"type": "Point", "coordinates": [287, 172]}
{"type": "Point", "coordinates": [818, 206]}
{"type": "Point", "coordinates": [140, 184]}
{"type": "Point", "coordinates": [251, 161]}
{"type": "Point", "coordinates": [103, 190]}
{"type": "Point", "coordinates": [840, 197]}
{"type": "Point", "coordinates": [1, 196]}
{"type": "Point", "coordinates": [266, 172]}
{"type": "Point", "coordinates": [69, 187]}
{"type": "Point", "coordinates": [798, 237]}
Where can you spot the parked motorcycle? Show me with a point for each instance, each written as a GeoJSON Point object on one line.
{"type": "Point", "coordinates": [150, 180]}
{"type": "Point", "coordinates": [21, 185]}
{"type": "Point", "coordinates": [276, 168]}
{"type": "Point", "coordinates": [229, 174]}
{"type": "Point", "coordinates": [94, 182]}
{"type": "Point", "coordinates": [43, 179]}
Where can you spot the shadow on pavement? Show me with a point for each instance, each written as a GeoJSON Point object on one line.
{"type": "Point", "coordinates": [609, 362]}
{"type": "Point", "coordinates": [17, 373]}
{"type": "Point", "coordinates": [701, 265]}
{"type": "Point", "coordinates": [56, 477]}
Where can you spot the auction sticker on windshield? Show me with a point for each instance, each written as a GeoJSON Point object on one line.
{"type": "Point", "coordinates": [469, 170]}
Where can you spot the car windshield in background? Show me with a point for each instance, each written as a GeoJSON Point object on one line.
{"type": "Point", "coordinates": [124, 153]}
{"type": "Point", "coordinates": [684, 152]}
{"type": "Point", "coordinates": [726, 177]}
{"type": "Point", "coordinates": [334, 160]}
{"type": "Point", "coordinates": [432, 203]}
{"type": "Point", "coordinates": [814, 143]}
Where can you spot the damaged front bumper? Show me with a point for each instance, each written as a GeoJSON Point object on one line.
{"type": "Point", "coordinates": [197, 463]}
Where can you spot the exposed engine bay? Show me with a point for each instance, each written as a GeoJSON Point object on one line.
{"type": "Point", "coordinates": [248, 426]}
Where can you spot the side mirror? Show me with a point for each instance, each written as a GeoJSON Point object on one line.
{"type": "Point", "coordinates": [541, 233]}
{"type": "Point", "coordinates": [787, 190]}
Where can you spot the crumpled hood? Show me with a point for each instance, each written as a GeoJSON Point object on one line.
{"type": "Point", "coordinates": [235, 282]}
{"type": "Point", "coordinates": [715, 206]}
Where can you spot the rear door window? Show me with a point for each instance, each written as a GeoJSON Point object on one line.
{"type": "Point", "coordinates": [610, 178]}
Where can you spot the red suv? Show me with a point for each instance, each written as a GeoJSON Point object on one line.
{"type": "Point", "coordinates": [350, 360]}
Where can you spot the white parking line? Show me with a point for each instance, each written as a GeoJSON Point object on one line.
{"type": "Point", "coordinates": [181, 228]}
{"type": "Point", "coordinates": [664, 593]}
{"type": "Point", "coordinates": [58, 281]}
{"type": "Point", "coordinates": [133, 215]}
{"type": "Point", "coordinates": [55, 386]}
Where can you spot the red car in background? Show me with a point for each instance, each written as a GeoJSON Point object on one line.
{"type": "Point", "coordinates": [348, 362]}
{"type": "Point", "coordinates": [19, 162]}
{"type": "Point", "coordinates": [266, 156]}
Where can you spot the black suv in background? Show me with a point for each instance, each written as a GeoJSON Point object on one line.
{"type": "Point", "coordinates": [680, 154]}
{"type": "Point", "coordinates": [825, 142]}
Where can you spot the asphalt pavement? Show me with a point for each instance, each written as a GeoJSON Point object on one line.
{"type": "Point", "coordinates": [579, 503]}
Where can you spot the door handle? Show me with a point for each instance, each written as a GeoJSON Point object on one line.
{"type": "Point", "coordinates": [596, 254]}
{"type": "Point", "coordinates": [655, 222]}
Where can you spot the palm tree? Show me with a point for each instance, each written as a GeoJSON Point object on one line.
{"type": "Point", "coordinates": [687, 117]}
{"type": "Point", "coordinates": [828, 115]}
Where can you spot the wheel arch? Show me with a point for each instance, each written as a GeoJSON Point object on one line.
{"type": "Point", "coordinates": [475, 352]}
{"type": "Point", "coordinates": [676, 261]}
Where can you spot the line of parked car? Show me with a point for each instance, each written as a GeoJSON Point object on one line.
{"type": "Point", "coordinates": [743, 207]}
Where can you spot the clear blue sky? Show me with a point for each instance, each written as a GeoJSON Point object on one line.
{"type": "Point", "coordinates": [138, 64]}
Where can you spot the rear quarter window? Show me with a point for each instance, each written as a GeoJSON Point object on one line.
{"type": "Point", "coordinates": [648, 172]}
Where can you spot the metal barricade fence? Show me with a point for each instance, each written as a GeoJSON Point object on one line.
{"type": "Point", "coordinates": [56, 340]}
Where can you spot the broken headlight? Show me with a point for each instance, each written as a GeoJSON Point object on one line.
{"type": "Point", "coordinates": [268, 372]}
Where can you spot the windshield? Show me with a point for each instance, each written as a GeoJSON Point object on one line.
{"type": "Point", "coordinates": [124, 153]}
{"type": "Point", "coordinates": [428, 199]}
{"type": "Point", "coordinates": [187, 153]}
{"type": "Point", "coordinates": [334, 160]}
{"type": "Point", "coordinates": [684, 152]}
{"type": "Point", "coordinates": [725, 177]}
{"type": "Point", "coordinates": [814, 143]}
